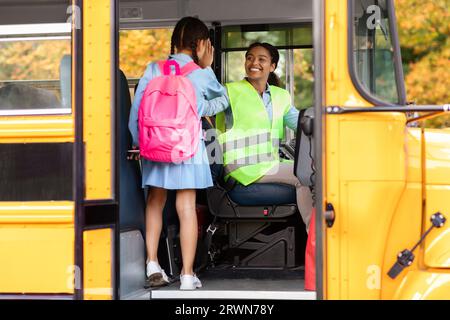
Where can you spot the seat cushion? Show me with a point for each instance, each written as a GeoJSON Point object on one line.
{"type": "Point", "coordinates": [263, 194]}
{"type": "Point", "coordinates": [132, 200]}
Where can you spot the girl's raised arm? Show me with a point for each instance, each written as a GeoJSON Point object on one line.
{"type": "Point", "coordinates": [212, 107]}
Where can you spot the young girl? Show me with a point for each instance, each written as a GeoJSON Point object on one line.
{"type": "Point", "coordinates": [190, 42]}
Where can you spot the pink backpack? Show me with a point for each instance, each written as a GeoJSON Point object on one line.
{"type": "Point", "coordinates": [169, 124]}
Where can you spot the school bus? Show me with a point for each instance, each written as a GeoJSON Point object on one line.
{"type": "Point", "coordinates": [72, 207]}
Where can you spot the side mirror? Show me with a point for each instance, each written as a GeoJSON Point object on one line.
{"type": "Point", "coordinates": [307, 125]}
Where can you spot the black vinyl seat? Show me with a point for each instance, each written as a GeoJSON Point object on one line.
{"type": "Point", "coordinates": [258, 200]}
{"type": "Point", "coordinates": [132, 201]}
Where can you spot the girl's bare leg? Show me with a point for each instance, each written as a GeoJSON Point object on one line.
{"type": "Point", "coordinates": [153, 220]}
{"type": "Point", "coordinates": [185, 205]}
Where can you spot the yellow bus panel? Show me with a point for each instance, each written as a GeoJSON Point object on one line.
{"type": "Point", "coordinates": [97, 99]}
{"type": "Point", "coordinates": [98, 272]}
{"type": "Point", "coordinates": [36, 129]}
{"type": "Point", "coordinates": [36, 247]}
{"type": "Point", "coordinates": [437, 243]}
{"type": "Point", "coordinates": [424, 285]}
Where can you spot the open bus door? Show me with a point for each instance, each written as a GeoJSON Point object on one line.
{"type": "Point", "coordinates": [96, 124]}
{"type": "Point", "coordinates": [37, 138]}
{"type": "Point", "coordinates": [233, 29]}
{"type": "Point", "coordinates": [376, 193]}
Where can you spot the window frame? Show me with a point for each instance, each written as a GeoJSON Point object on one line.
{"type": "Point", "coordinates": [261, 28]}
{"type": "Point", "coordinates": [398, 69]}
{"type": "Point", "coordinates": [289, 75]}
{"type": "Point", "coordinates": [32, 32]}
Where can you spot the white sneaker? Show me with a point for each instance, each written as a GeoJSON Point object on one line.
{"type": "Point", "coordinates": [189, 282]}
{"type": "Point", "coordinates": [156, 276]}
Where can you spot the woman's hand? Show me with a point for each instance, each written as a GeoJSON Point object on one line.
{"type": "Point", "coordinates": [205, 53]}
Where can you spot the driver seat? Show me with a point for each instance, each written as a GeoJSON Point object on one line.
{"type": "Point", "coordinates": [258, 223]}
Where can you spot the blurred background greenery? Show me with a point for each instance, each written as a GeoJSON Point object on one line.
{"type": "Point", "coordinates": [423, 25]}
{"type": "Point", "coordinates": [424, 30]}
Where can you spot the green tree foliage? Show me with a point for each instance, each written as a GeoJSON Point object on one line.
{"type": "Point", "coordinates": [424, 30]}
{"type": "Point", "coordinates": [36, 60]}
{"type": "Point", "coordinates": [303, 78]}
{"type": "Point", "coordinates": [140, 47]}
{"type": "Point", "coordinates": [32, 60]}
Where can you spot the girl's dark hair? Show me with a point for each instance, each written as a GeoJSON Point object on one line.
{"type": "Point", "coordinates": [275, 57]}
{"type": "Point", "coordinates": [188, 31]}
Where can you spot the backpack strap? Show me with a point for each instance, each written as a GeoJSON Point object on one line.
{"type": "Point", "coordinates": [161, 66]}
{"type": "Point", "coordinates": [188, 68]}
{"type": "Point", "coordinates": [164, 67]}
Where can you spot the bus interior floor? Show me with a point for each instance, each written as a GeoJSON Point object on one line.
{"type": "Point", "coordinates": [230, 272]}
{"type": "Point", "coordinates": [227, 282]}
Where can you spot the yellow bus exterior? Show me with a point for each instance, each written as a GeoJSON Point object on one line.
{"type": "Point", "coordinates": [380, 211]}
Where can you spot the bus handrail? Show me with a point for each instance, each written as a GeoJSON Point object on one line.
{"type": "Point", "coordinates": [400, 108]}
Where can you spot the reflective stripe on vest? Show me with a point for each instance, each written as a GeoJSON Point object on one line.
{"type": "Point", "coordinates": [249, 141]}
{"type": "Point", "coordinates": [250, 147]}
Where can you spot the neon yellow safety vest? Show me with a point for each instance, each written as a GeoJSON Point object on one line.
{"type": "Point", "coordinates": [250, 147]}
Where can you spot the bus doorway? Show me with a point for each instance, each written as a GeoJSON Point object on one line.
{"type": "Point", "coordinates": [69, 197]}
{"type": "Point", "coordinates": [252, 254]}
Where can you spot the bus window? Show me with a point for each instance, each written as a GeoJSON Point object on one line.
{"type": "Point", "coordinates": [294, 43]}
{"type": "Point", "coordinates": [140, 47]}
{"type": "Point", "coordinates": [373, 50]}
{"type": "Point", "coordinates": [35, 69]}
{"type": "Point", "coordinates": [303, 88]}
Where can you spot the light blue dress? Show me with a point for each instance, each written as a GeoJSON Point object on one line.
{"type": "Point", "coordinates": [193, 173]}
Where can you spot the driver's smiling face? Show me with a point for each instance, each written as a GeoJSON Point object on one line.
{"type": "Point", "coordinates": [258, 64]}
